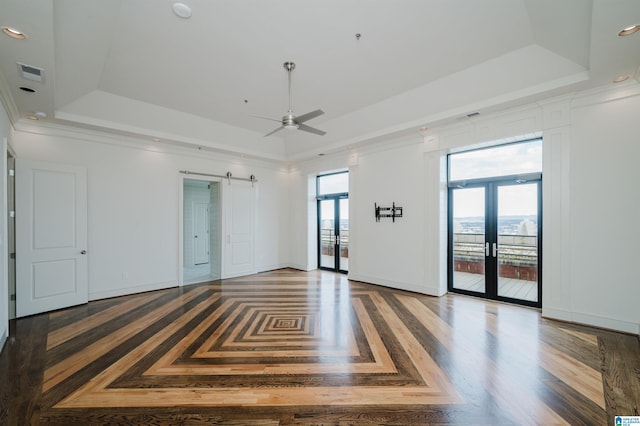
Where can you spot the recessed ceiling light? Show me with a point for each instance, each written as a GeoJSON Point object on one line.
{"type": "Point", "coordinates": [182, 10]}
{"type": "Point", "coordinates": [629, 30]}
{"type": "Point", "coordinates": [155, 139]}
{"type": "Point", "coordinates": [621, 78]}
{"type": "Point", "coordinates": [13, 33]}
{"type": "Point", "coordinates": [37, 116]}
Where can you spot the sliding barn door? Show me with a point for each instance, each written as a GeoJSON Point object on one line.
{"type": "Point", "coordinates": [239, 205]}
{"type": "Point", "coordinates": [51, 237]}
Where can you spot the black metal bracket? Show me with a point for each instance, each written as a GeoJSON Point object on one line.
{"type": "Point", "coordinates": [391, 212]}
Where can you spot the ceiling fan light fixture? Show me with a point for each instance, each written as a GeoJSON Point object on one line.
{"type": "Point", "coordinates": [292, 126]}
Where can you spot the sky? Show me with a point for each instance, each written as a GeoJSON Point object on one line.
{"type": "Point", "coordinates": [506, 160]}
{"type": "Point", "coordinates": [512, 159]}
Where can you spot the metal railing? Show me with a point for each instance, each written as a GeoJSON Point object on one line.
{"type": "Point", "coordinates": [328, 239]}
{"type": "Point", "coordinates": [517, 255]}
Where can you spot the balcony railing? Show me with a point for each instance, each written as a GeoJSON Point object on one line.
{"type": "Point", "coordinates": [517, 255]}
{"type": "Point", "coordinates": [327, 241]}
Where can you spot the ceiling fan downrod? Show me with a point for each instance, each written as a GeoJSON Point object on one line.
{"type": "Point", "coordinates": [289, 66]}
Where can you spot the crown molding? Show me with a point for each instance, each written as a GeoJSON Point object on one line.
{"type": "Point", "coordinates": [87, 135]}
{"type": "Point", "coordinates": [7, 100]}
{"type": "Point", "coordinates": [606, 93]}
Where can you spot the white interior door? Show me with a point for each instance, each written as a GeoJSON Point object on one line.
{"type": "Point", "coordinates": [239, 229]}
{"type": "Point", "coordinates": [51, 236]}
{"type": "Point", "coordinates": [201, 233]}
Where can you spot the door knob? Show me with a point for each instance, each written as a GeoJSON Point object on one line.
{"type": "Point", "coordinates": [83, 252]}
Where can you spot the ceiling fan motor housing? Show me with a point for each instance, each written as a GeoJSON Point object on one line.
{"type": "Point", "coordinates": [289, 122]}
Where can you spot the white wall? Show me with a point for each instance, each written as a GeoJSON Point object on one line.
{"type": "Point", "coordinates": [591, 204]}
{"type": "Point", "coordinates": [386, 252]}
{"type": "Point", "coordinates": [605, 213]}
{"type": "Point", "coordinates": [5, 137]}
{"type": "Point", "coordinates": [272, 219]}
{"type": "Point", "coordinates": [134, 208]}
{"type": "Point", "coordinates": [302, 208]}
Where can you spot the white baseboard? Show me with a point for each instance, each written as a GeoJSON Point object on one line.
{"type": "Point", "coordinates": [592, 320]}
{"type": "Point", "coordinates": [273, 267]}
{"type": "Point", "coordinates": [97, 295]}
{"type": "Point", "coordinates": [417, 288]}
{"type": "Point", "coordinates": [558, 314]}
{"type": "Point", "coordinates": [3, 339]}
{"type": "Point", "coordinates": [299, 267]}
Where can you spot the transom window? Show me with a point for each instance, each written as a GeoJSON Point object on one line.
{"type": "Point", "coordinates": [334, 183]}
{"type": "Point", "coordinates": [505, 160]}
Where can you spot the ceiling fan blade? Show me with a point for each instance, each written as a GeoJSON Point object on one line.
{"type": "Point", "coordinates": [276, 130]}
{"type": "Point", "coordinates": [308, 116]}
{"type": "Point", "coordinates": [310, 129]}
{"type": "Point", "coordinates": [266, 118]}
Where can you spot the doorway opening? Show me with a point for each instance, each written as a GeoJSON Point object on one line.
{"type": "Point", "coordinates": [201, 231]}
{"type": "Point", "coordinates": [333, 221]}
{"type": "Point", "coordinates": [495, 223]}
{"type": "Point", "coordinates": [11, 233]}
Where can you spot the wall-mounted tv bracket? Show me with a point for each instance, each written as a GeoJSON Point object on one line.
{"type": "Point", "coordinates": [392, 212]}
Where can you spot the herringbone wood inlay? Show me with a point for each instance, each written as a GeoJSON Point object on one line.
{"type": "Point", "coordinates": [286, 346]}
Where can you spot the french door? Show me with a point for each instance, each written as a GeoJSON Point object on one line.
{"type": "Point", "coordinates": [333, 233]}
{"type": "Point", "coordinates": [495, 239]}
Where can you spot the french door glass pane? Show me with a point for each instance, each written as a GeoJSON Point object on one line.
{"type": "Point", "coordinates": [327, 234]}
{"type": "Point", "coordinates": [518, 241]}
{"type": "Point", "coordinates": [469, 239]}
{"type": "Point", "coordinates": [344, 234]}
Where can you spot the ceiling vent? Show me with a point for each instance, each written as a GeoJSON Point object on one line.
{"type": "Point", "coordinates": [31, 73]}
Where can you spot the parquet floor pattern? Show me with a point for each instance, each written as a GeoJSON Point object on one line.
{"type": "Point", "coordinates": [292, 347]}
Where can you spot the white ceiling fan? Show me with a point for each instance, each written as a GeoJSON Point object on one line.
{"type": "Point", "coordinates": [290, 121]}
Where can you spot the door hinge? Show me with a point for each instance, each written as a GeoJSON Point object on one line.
{"type": "Point", "coordinates": [12, 256]}
{"type": "Point", "coordinates": [12, 214]}
{"type": "Point", "coordinates": [12, 297]}
{"type": "Point", "coordinates": [12, 172]}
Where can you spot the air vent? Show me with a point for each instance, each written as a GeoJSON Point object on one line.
{"type": "Point", "coordinates": [31, 73]}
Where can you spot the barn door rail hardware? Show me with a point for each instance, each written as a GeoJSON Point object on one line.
{"type": "Point", "coordinates": [228, 176]}
{"type": "Point", "coordinates": [392, 212]}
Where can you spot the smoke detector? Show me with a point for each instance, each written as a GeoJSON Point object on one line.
{"type": "Point", "coordinates": [182, 10]}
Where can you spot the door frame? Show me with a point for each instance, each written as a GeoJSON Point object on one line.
{"type": "Point", "coordinates": [491, 186]}
{"type": "Point", "coordinates": [336, 230]}
{"type": "Point", "coordinates": [10, 250]}
{"type": "Point", "coordinates": [181, 178]}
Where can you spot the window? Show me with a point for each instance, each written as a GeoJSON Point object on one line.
{"type": "Point", "coordinates": [504, 160]}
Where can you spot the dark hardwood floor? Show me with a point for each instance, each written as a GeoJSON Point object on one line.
{"type": "Point", "coordinates": [292, 347]}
